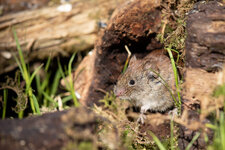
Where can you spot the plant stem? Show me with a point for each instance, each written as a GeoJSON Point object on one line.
{"type": "Point", "coordinates": [171, 134]}
{"type": "Point", "coordinates": [20, 115]}
{"type": "Point", "coordinates": [176, 78]}
{"type": "Point", "coordinates": [30, 94]}
{"type": "Point", "coordinates": [5, 95]}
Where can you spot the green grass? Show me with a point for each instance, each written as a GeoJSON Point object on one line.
{"type": "Point", "coordinates": [47, 84]}
{"type": "Point", "coordinates": [157, 141]}
{"type": "Point", "coordinates": [70, 82]}
{"type": "Point", "coordinates": [28, 78]}
{"type": "Point", "coordinates": [161, 146]}
{"type": "Point", "coordinates": [171, 134]}
{"type": "Point", "coordinates": [219, 126]}
{"type": "Point", "coordinates": [47, 90]}
{"type": "Point", "coordinates": [219, 134]}
{"type": "Point", "coordinates": [5, 95]}
{"type": "Point", "coordinates": [43, 84]}
{"type": "Point", "coordinates": [109, 101]}
{"type": "Point", "coordinates": [176, 77]}
{"type": "Point", "coordinates": [193, 140]}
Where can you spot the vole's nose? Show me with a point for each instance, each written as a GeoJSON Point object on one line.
{"type": "Point", "coordinates": [118, 91]}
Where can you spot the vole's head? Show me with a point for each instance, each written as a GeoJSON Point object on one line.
{"type": "Point", "coordinates": [139, 80]}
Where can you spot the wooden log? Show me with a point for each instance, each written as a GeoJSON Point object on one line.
{"type": "Point", "coordinates": [205, 53]}
{"type": "Point", "coordinates": [205, 58]}
{"type": "Point", "coordinates": [53, 131]}
{"type": "Point", "coordinates": [12, 6]}
{"type": "Point", "coordinates": [48, 32]}
{"type": "Point", "coordinates": [134, 24]}
{"type": "Point", "coordinates": [205, 43]}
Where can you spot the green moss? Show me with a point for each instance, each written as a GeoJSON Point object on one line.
{"type": "Point", "coordinates": [109, 101]}
{"type": "Point", "coordinates": [86, 146]}
{"type": "Point", "coordinates": [83, 145]}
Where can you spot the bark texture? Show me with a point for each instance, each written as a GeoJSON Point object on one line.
{"type": "Point", "coordinates": [205, 43]}
{"type": "Point", "coordinates": [205, 58]}
{"type": "Point", "coordinates": [48, 32]}
{"type": "Point", "coordinates": [51, 131]}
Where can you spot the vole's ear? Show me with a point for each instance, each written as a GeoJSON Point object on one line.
{"type": "Point", "coordinates": [133, 60]}
{"type": "Point", "coordinates": [151, 70]}
{"type": "Point", "coordinates": [150, 65]}
{"type": "Point", "coordinates": [147, 65]}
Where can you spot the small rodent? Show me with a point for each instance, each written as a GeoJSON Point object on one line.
{"type": "Point", "coordinates": [143, 85]}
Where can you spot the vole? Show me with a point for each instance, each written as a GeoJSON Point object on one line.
{"type": "Point", "coordinates": [146, 83]}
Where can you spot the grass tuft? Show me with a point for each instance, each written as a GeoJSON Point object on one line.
{"type": "Point", "coordinates": [26, 75]}
{"type": "Point", "coordinates": [69, 82]}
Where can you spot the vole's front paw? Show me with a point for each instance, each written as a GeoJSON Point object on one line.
{"type": "Point", "coordinates": [173, 112]}
{"type": "Point", "coordinates": [141, 118]}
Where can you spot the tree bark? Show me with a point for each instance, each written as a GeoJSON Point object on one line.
{"type": "Point", "coordinates": [53, 131]}
{"type": "Point", "coordinates": [48, 32]}
{"type": "Point", "coordinates": [205, 43]}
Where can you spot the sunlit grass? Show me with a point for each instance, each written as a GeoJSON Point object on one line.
{"type": "Point", "coordinates": [176, 77]}
{"type": "Point", "coordinates": [28, 78]}
{"type": "Point", "coordinates": [70, 82]}
{"type": "Point", "coordinates": [219, 126]}
{"type": "Point", "coordinates": [45, 94]}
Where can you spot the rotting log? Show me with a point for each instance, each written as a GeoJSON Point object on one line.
{"type": "Point", "coordinates": [205, 52]}
{"type": "Point", "coordinates": [205, 43]}
{"type": "Point", "coordinates": [53, 131]}
{"type": "Point", "coordinates": [12, 6]}
{"type": "Point", "coordinates": [135, 24]}
{"type": "Point", "coordinates": [47, 32]}
{"type": "Point", "coordinates": [204, 59]}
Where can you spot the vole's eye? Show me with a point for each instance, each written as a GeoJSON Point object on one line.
{"type": "Point", "coordinates": [131, 82]}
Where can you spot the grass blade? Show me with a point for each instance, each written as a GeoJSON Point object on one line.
{"type": "Point", "coordinates": [23, 64]}
{"type": "Point", "coordinates": [66, 99]}
{"type": "Point", "coordinates": [36, 105]}
{"type": "Point", "coordinates": [71, 85]}
{"type": "Point", "coordinates": [222, 130]}
{"type": "Point", "coordinates": [158, 142]}
{"type": "Point", "coordinates": [55, 82]}
{"type": "Point", "coordinates": [19, 65]}
{"type": "Point", "coordinates": [47, 64]}
{"type": "Point", "coordinates": [63, 75]}
{"type": "Point", "coordinates": [176, 78]}
{"type": "Point", "coordinates": [38, 85]}
{"type": "Point", "coordinates": [166, 85]}
{"type": "Point", "coordinates": [5, 95]}
{"type": "Point", "coordinates": [33, 74]}
{"type": "Point", "coordinates": [193, 140]}
{"type": "Point", "coordinates": [45, 82]}
{"type": "Point", "coordinates": [70, 64]}
{"type": "Point", "coordinates": [49, 98]}
{"type": "Point", "coordinates": [171, 134]}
